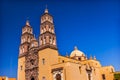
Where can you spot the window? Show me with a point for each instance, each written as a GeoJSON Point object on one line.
{"type": "Point", "coordinates": [52, 31]}
{"type": "Point", "coordinates": [112, 70]}
{"type": "Point", "coordinates": [80, 69]}
{"type": "Point", "coordinates": [43, 61]}
{"type": "Point", "coordinates": [43, 78]}
{"type": "Point", "coordinates": [42, 30]}
{"type": "Point", "coordinates": [63, 61]}
{"type": "Point", "coordinates": [89, 77]}
{"type": "Point", "coordinates": [79, 58]}
{"type": "Point", "coordinates": [44, 40]}
{"type": "Point", "coordinates": [21, 67]}
{"type": "Point", "coordinates": [58, 77]}
{"type": "Point", "coordinates": [32, 44]}
{"type": "Point", "coordinates": [32, 62]}
{"type": "Point", "coordinates": [50, 40]}
{"type": "Point", "coordinates": [30, 31]}
{"type": "Point", "coordinates": [32, 79]}
{"type": "Point", "coordinates": [23, 50]}
{"type": "Point", "coordinates": [89, 74]}
{"type": "Point", "coordinates": [103, 76]}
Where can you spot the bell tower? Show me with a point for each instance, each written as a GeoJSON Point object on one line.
{"type": "Point", "coordinates": [48, 53]}
{"type": "Point", "coordinates": [47, 38]}
{"type": "Point", "coordinates": [27, 36]}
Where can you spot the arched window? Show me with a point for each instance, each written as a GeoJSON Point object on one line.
{"type": "Point", "coordinates": [32, 45]}
{"type": "Point", "coordinates": [32, 78]}
{"type": "Point", "coordinates": [89, 74]}
{"type": "Point", "coordinates": [43, 78]}
{"type": "Point", "coordinates": [49, 29]}
{"type": "Point", "coordinates": [21, 67]}
{"type": "Point", "coordinates": [52, 30]}
{"type": "Point", "coordinates": [58, 77]}
{"type": "Point", "coordinates": [103, 76]}
{"type": "Point", "coordinates": [23, 50]}
{"type": "Point", "coordinates": [54, 43]}
{"type": "Point", "coordinates": [23, 40]}
{"type": "Point", "coordinates": [112, 70]}
{"type": "Point", "coordinates": [30, 31]}
{"type": "Point", "coordinates": [89, 77]}
{"type": "Point", "coordinates": [44, 29]}
{"type": "Point", "coordinates": [44, 40]}
{"type": "Point", "coordinates": [50, 40]}
{"type": "Point", "coordinates": [43, 61]}
{"type": "Point", "coordinates": [80, 69]}
{"type": "Point", "coordinates": [79, 58]}
{"type": "Point", "coordinates": [32, 62]}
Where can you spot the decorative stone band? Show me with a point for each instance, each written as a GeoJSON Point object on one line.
{"type": "Point", "coordinates": [48, 46]}
{"type": "Point", "coordinates": [23, 54]}
{"type": "Point", "coordinates": [57, 69]}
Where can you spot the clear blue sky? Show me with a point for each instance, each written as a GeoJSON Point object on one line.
{"type": "Point", "coordinates": [93, 26]}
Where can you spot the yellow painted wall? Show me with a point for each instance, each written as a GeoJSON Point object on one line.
{"type": "Point", "coordinates": [51, 57]}
{"type": "Point", "coordinates": [108, 71]}
{"type": "Point", "coordinates": [21, 73]}
{"type": "Point", "coordinates": [71, 70]}
{"type": "Point", "coordinates": [12, 78]}
{"type": "Point", "coordinates": [6, 78]}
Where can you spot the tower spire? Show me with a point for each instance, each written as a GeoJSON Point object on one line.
{"type": "Point", "coordinates": [46, 9]}
{"type": "Point", "coordinates": [67, 54]}
{"type": "Point", "coordinates": [94, 57]}
{"type": "Point", "coordinates": [47, 38]}
{"type": "Point", "coordinates": [91, 57]}
{"type": "Point", "coordinates": [27, 23]}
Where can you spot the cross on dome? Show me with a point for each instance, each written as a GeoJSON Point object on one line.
{"type": "Point", "coordinates": [75, 48]}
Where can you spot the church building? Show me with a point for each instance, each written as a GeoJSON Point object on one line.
{"type": "Point", "coordinates": [40, 59]}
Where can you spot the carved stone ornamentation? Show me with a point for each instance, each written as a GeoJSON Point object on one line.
{"type": "Point", "coordinates": [57, 74]}
{"type": "Point", "coordinates": [31, 66]}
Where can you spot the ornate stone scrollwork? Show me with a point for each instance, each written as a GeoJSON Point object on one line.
{"type": "Point", "coordinates": [57, 74]}
{"type": "Point", "coordinates": [31, 66]}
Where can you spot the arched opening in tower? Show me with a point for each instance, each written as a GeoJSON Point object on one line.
{"type": "Point", "coordinates": [32, 79]}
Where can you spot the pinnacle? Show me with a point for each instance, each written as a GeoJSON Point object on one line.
{"type": "Point", "coordinates": [27, 23]}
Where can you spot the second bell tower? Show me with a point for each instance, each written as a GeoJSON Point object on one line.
{"type": "Point", "coordinates": [47, 38]}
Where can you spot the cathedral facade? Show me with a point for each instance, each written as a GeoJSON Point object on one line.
{"type": "Point", "coordinates": [40, 59]}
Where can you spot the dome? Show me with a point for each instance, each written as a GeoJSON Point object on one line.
{"type": "Point", "coordinates": [76, 52]}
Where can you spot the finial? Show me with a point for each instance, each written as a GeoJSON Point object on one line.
{"type": "Point", "coordinates": [86, 56]}
{"type": "Point", "coordinates": [90, 57]}
{"type": "Point", "coordinates": [46, 6]}
{"type": "Point", "coordinates": [46, 10]}
{"type": "Point", "coordinates": [75, 48]}
{"type": "Point", "coordinates": [27, 23]}
{"type": "Point", "coordinates": [67, 54]}
{"type": "Point", "coordinates": [94, 58]}
{"type": "Point", "coordinates": [34, 37]}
